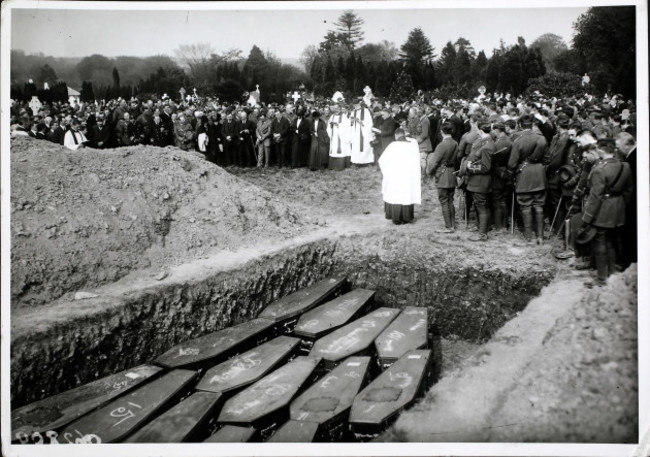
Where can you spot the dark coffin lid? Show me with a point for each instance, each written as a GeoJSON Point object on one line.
{"type": "Point", "coordinates": [302, 300]}
{"type": "Point", "coordinates": [295, 432]}
{"type": "Point", "coordinates": [407, 332]}
{"type": "Point", "coordinates": [355, 336]}
{"type": "Point", "coordinates": [392, 390]}
{"type": "Point", "coordinates": [270, 393]}
{"type": "Point", "coordinates": [232, 434]}
{"type": "Point", "coordinates": [59, 410]}
{"type": "Point", "coordinates": [332, 314]}
{"type": "Point", "coordinates": [122, 416]}
{"type": "Point", "coordinates": [332, 394]}
{"type": "Point", "coordinates": [214, 344]}
{"type": "Point", "coordinates": [248, 367]}
{"type": "Point", "coordinates": [179, 422]}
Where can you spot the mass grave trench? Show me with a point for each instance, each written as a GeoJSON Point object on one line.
{"type": "Point", "coordinates": [465, 300]}
{"type": "Point", "coordinates": [290, 404]}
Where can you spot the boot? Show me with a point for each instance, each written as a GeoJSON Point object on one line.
{"type": "Point", "coordinates": [452, 215]}
{"type": "Point", "coordinates": [539, 219]}
{"type": "Point", "coordinates": [527, 216]}
{"type": "Point", "coordinates": [447, 217]}
{"type": "Point", "coordinates": [497, 215]}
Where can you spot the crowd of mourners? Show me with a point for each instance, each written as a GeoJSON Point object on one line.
{"type": "Point", "coordinates": [556, 160]}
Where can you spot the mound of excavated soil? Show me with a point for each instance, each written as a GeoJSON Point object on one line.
{"type": "Point", "coordinates": [84, 218]}
{"type": "Point", "coordinates": [583, 386]}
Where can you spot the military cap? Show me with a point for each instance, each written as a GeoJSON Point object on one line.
{"type": "Point", "coordinates": [585, 234]}
{"type": "Point", "coordinates": [526, 119]}
{"type": "Point", "coordinates": [565, 173]}
{"type": "Point", "coordinates": [483, 124]}
{"type": "Point", "coordinates": [607, 144]}
{"type": "Point", "coordinates": [499, 126]}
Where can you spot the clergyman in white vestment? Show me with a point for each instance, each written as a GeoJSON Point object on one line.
{"type": "Point", "coordinates": [401, 184]}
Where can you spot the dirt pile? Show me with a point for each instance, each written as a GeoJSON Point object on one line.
{"type": "Point", "coordinates": [584, 385]}
{"type": "Point", "coordinates": [86, 218]}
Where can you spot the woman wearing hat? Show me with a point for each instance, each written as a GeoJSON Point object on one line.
{"type": "Point", "coordinates": [320, 143]}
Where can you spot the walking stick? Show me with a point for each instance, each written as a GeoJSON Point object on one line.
{"type": "Point", "coordinates": [512, 215]}
{"type": "Point", "coordinates": [557, 210]}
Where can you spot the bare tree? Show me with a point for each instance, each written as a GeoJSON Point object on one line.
{"type": "Point", "coordinates": [308, 56]}
{"type": "Point", "coordinates": [190, 55]}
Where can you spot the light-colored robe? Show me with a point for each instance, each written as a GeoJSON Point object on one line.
{"type": "Point", "coordinates": [339, 135]}
{"type": "Point", "coordinates": [362, 136]}
{"type": "Point", "coordinates": [400, 167]}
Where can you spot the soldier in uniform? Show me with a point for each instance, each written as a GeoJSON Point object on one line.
{"type": "Point", "coordinates": [500, 177]}
{"type": "Point", "coordinates": [530, 180]}
{"type": "Point", "coordinates": [478, 169]}
{"type": "Point", "coordinates": [441, 165]}
{"type": "Point", "coordinates": [610, 188]}
{"type": "Point", "coordinates": [554, 160]}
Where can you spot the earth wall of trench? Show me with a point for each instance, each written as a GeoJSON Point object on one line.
{"type": "Point", "coordinates": [112, 332]}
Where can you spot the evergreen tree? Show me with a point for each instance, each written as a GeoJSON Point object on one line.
{"type": "Point", "coordinates": [447, 64]}
{"type": "Point", "coordinates": [87, 94]}
{"type": "Point", "coordinates": [605, 40]}
{"type": "Point", "coordinates": [349, 30]}
{"type": "Point", "coordinates": [402, 89]}
{"type": "Point", "coordinates": [479, 67]}
{"type": "Point", "coordinates": [46, 74]}
{"type": "Point", "coordinates": [255, 67]}
{"type": "Point", "coordinates": [116, 78]}
{"type": "Point", "coordinates": [329, 76]}
{"type": "Point", "coordinates": [417, 49]}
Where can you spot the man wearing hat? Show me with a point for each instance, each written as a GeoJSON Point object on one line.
{"type": "Point", "coordinates": [477, 166]}
{"type": "Point", "coordinates": [441, 165]}
{"type": "Point", "coordinates": [530, 180]}
{"type": "Point", "coordinates": [457, 120]}
{"type": "Point", "coordinates": [501, 186]}
{"type": "Point", "coordinates": [610, 188]}
{"type": "Point", "coordinates": [627, 151]}
{"type": "Point", "coordinates": [556, 158]}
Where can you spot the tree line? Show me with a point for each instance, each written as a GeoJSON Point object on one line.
{"type": "Point", "coordinates": [603, 46]}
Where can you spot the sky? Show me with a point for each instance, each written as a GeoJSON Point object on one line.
{"type": "Point", "coordinates": [78, 33]}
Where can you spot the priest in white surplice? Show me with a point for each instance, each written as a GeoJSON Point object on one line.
{"type": "Point", "coordinates": [338, 129]}
{"type": "Point", "coordinates": [362, 135]}
{"type": "Point", "coordinates": [74, 138]}
{"type": "Point", "coordinates": [401, 185]}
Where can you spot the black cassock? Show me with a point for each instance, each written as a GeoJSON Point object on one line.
{"type": "Point", "coordinates": [301, 142]}
{"type": "Point", "coordinates": [320, 145]}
